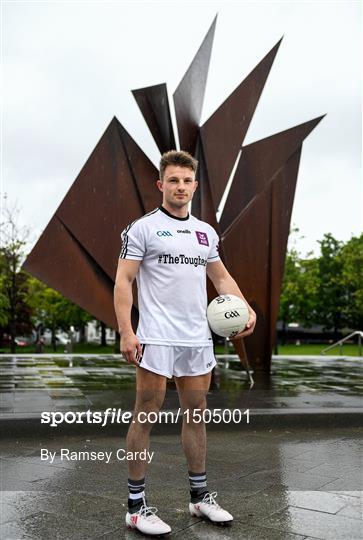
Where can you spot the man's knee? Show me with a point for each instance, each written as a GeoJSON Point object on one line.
{"type": "Point", "coordinates": [193, 391]}
{"type": "Point", "coordinates": [193, 400]}
{"type": "Point", "coordinates": [149, 400]}
{"type": "Point", "coordinates": [147, 407]}
{"type": "Point", "coordinates": [193, 411]}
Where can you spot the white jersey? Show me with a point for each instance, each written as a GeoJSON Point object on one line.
{"type": "Point", "coordinates": [171, 280]}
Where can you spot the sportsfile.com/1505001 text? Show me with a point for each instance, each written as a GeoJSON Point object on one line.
{"type": "Point", "coordinates": [117, 416]}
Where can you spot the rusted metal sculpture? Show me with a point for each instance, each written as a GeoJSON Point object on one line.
{"type": "Point", "coordinates": [154, 105]}
{"type": "Point", "coordinates": [78, 251]}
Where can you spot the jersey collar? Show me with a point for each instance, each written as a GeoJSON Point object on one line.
{"type": "Point", "coordinates": [164, 210]}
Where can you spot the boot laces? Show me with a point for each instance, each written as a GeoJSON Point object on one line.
{"type": "Point", "coordinates": [209, 498]}
{"type": "Point", "coordinates": [148, 511]}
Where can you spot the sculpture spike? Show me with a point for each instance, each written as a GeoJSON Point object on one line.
{"type": "Point", "coordinates": [108, 197]}
{"type": "Point", "coordinates": [143, 171]}
{"type": "Point", "coordinates": [153, 102]}
{"type": "Point", "coordinates": [189, 96]}
{"type": "Point", "coordinates": [61, 262]}
{"type": "Point", "coordinates": [231, 120]}
{"type": "Point", "coordinates": [255, 240]}
{"type": "Point", "coordinates": [258, 164]}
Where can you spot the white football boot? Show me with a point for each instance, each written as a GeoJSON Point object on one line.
{"type": "Point", "coordinates": [146, 521]}
{"type": "Point", "coordinates": [210, 509]}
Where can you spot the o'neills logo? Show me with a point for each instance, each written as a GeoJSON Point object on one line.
{"type": "Point", "coordinates": [184, 231]}
{"type": "Point", "coordinates": [166, 258]}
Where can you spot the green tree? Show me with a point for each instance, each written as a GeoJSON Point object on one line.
{"type": "Point", "coordinates": [351, 259]}
{"type": "Point", "coordinates": [4, 301]}
{"type": "Point", "coordinates": [75, 316]}
{"type": "Point", "coordinates": [309, 280]}
{"type": "Point", "coordinates": [290, 293]}
{"type": "Point", "coordinates": [331, 297]}
{"type": "Point", "coordinates": [54, 312]}
{"type": "Point", "coordinates": [47, 309]}
{"type": "Point", "coordinates": [15, 311]}
{"type": "Point", "coordinates": [299, 291]}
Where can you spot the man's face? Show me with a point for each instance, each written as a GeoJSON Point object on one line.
{"type": "Point", "coordinates": [178, 185]}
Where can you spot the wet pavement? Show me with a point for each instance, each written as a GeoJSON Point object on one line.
{"type": "Point", "coordinates": [278, 484]}
{"type": "Point", "coordinates": [30, 384]}
{"type": "Point", "coordinates": [296, 483]}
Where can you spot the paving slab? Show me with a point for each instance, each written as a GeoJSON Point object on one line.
{"type": "Point", "coordinates": [88, 499]}
{"type": "Point", "coordinates": [353, 507]}
{"type": "Point", "coordinates": [44, 525]}
{"type": "Point", "coordinates": [330, 503]}
{"type": "Point", "coordinates": [238, 530]}
{"type": "Point", "coordinates": [315, 524]}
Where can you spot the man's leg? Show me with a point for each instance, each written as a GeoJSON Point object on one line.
{"type": "Point", "coordinates": [192, 396]}
{"type": "Point", "coordinates": [150, 394]}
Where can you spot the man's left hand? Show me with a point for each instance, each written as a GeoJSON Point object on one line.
{"type": "Point", "coordinates": [250, 326]}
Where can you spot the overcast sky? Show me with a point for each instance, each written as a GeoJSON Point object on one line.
{"type": "Point", "coordinates": [68, 68]}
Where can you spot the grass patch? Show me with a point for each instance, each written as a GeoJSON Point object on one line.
{"type": "Point", "coordinates": [289, 350]}
{"type": "Point", "coordinates": [79, 348]}
{"type": "Point", "coordinates": [315, 349]}
{"type": "Point", "coordinates": [308, 350]}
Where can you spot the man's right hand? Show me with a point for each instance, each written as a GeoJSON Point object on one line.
{"type": "Point", "coordinates": [129, 345]}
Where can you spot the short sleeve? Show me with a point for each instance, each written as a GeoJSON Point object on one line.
{"type": "Point", "coordinates": [133, 243]}
{"type": "Point", "coordinates": [213, 255]}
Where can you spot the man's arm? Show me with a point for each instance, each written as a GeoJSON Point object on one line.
{"type": "Point", "coordinates": [126, 273]}
{"type": "Point", "coordinates": [225, 284]}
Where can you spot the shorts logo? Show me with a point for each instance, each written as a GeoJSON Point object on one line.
{"type": "Point", "coordinates": [164, 233]}
{"type": "Point", "coordinates": [202, 238]}
{"type": "Point", "coordinates": [209, 364]}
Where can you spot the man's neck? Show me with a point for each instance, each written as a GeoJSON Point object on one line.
{"type": "Point", "coordinates": [181, 212]}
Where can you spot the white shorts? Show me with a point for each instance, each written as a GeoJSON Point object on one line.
{"type": "Point", "coordinates": [178, 361]}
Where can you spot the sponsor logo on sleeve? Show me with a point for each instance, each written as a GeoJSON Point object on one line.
{"type": "Point", "coordinates": [202, 238]}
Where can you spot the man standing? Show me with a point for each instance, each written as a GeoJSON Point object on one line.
{"type": "Point", "coordinates": [171, 253]}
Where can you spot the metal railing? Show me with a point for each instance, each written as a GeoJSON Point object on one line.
{"type": "Point", "coordinates": [340, 343]}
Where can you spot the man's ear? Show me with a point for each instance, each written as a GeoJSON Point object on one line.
{"type": "Point", "coordinates": [196, 184]}
{"type": "Point", "coordinates": [159, 184]}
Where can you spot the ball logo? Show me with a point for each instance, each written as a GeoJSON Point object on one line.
{"type": "Point", "coordinates": [164, 233]}
{"type": "Point", "coordinates": [221, 299]}
{"type": "Point", "coordinates": [231, 314]}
